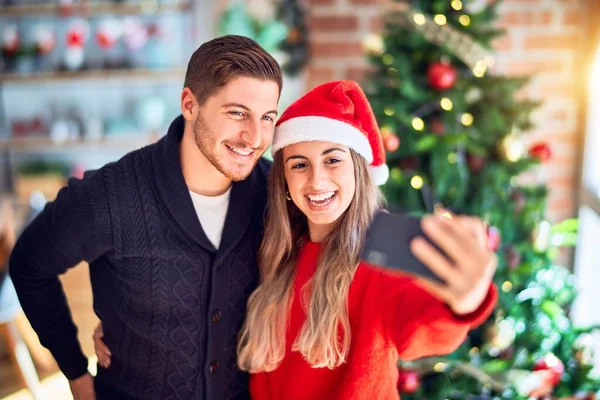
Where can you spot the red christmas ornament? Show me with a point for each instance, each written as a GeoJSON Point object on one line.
{"type": "Point", "coordinates": [437, 126]}
{"type": "Point", "coordinates": [476, 162]}
{"type": "Point", "coordinates": [409, 163]}
{"type": "Point", "coordinates": [441, 76]}
{"type": "Point", "coordinates": [494, 238]}
{"type": "Point", "coordinates": [552, 364]}
{"type": "Point", "coordinates": [408, 381]}
{"type": "Point", "coordinates": [391, 142]}
{"type": "Point", "coordinates": [541, 151]}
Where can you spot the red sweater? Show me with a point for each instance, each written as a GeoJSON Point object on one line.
{"type": "Point", "coordinates": [391, 318]}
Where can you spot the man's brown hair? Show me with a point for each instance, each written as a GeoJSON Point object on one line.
{"type": "Point", "coordinates": [217, 61]}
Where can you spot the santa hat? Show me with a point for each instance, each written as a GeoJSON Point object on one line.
{"type": "Point", "coordinates": [336, 112]}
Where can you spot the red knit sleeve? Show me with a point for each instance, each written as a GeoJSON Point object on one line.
{"type": "Point", "coordinates": [421, 325]}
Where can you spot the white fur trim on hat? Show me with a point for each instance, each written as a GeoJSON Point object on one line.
{"type": "Point", "coordinates": [313, 128]}
{"type": "Point", "coordinates": [379, 173]}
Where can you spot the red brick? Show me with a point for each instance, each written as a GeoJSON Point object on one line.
{"type": "Point", "coordinates": [557, 115]}
{"type": "Point", "coordinates": [503, 43]}
{"type": "Point", "coordinates": [573, 18]}
{"type": "Point", "coordinates": [376, 24]}
{"type": "Point", "coordinates": [562, 181]}
{"type": "Point", "coordinates": [552, 42]}
{"type": "Point", "coordinates": [333, 49]}
{"type": "Point", "coordinates": [525, 18]}
{"type": "Point", "coordinates": [534, 67]}
{"type": "Point", "coordinates": [560, 90]}
{"type": "Point", "coordinates": [561, 205]}
{"type": "Point", "coordinates": [320, 74]}
{"type": "Point", "coordinates": [337, 23]}
{"type": "Point", "coordinates": [356, 73]}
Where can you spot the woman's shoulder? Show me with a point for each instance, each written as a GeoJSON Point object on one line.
{"type": "Point", "coordinates": [379, 275]}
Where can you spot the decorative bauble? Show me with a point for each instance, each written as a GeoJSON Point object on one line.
{"type": "Point", "coordinates": [441, 76]}
{"type": "Point", "coordinates": [476, 162]}
{"type": "Point", "coordinates": [409, 381]}
{"type": "Point", "coordinates": [512, 148]}
{"type": "Point", "coordinates": [409, 163]}
{"type": "Point", "coordinates": [391, 143]}
{"type": "Point", "coordinates": [540, 151]}
{"type": "Point", "coordinates": [552, 364]}
{"type": "Point", "coordinates": [437, 126]}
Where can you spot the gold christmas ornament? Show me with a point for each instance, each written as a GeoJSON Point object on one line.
{"type": "Point", "coordinates": [512, 149]}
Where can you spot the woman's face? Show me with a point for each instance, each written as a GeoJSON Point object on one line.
{"type": "Point", "coordinates": [321, 182]}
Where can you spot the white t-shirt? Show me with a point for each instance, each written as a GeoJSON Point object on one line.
{"type": "Point", "coordinates": [211, 211]}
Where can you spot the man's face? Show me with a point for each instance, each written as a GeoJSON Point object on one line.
{"type": "Point", "coordinates": [235, 126]}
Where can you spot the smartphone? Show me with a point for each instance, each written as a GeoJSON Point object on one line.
{"type": "Point", "coordinates": [388, 244]}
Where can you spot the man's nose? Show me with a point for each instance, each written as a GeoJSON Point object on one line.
{"type": "Point", "coordinates": [252, 134]}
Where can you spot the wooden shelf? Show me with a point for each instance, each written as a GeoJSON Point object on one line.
{"type": "Point", "coordinates": [121, 74]}
{"type": "Point", "coordinates": [125, 143]}
{"type": "Point", "coordinates": [94, 8]}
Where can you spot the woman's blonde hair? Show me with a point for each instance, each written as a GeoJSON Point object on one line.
{"type": "Point", "coordinates": [324, 339]}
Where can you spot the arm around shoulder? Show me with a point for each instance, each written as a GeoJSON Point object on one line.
{"type": "Point", "coordinates": [75, 227]}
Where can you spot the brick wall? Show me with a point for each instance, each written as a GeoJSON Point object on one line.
{"type": "Point", "coordinates": [545, 37]}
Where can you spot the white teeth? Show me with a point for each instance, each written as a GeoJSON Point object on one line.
{"type": "Point", "coordinates": [321, 196]}
{"type": "Point", "coordinates": [240, 152]}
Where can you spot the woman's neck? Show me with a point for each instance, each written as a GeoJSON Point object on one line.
{"type": "Point", "coordinates": [318, 232]}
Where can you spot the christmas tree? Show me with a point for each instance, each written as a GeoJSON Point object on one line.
{"type": "Point", "coordinates": [432, 85]}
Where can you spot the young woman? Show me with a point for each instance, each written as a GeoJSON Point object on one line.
{"type": "Point", "coordinates": [322, 324]}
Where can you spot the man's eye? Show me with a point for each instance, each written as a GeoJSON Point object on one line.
{"type": "Point", "coordinates": [268, 118]}
{"type": "Point", "coordinates": [236, 113]}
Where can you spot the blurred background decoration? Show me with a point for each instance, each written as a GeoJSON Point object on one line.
{"type": "Point", "coordinates": [454, 133]}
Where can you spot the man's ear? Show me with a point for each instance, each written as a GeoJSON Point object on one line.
{"type": "Point", "coordinates": [189, 105]}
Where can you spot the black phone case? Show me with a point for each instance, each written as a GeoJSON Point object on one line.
{"type": "Point", "coordinates": [388, 244]}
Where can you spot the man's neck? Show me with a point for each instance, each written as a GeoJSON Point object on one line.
{"type": "Point", "coordinates": [199, 174]}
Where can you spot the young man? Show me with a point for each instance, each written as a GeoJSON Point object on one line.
{"type": "Point", "coordinates": [171, 233]}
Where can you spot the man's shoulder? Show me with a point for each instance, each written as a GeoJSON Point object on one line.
{"type": "Point", "coordinates": [125, 163]}
{"type": "Point", "coordinates": [263, 166]}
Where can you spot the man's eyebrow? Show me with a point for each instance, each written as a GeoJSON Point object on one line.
{"type": "Point", "coordinates": [246, 108]}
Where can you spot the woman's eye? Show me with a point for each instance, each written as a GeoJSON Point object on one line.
{"type": "Point", "coordinates": [299, 166]}
{"type": "Point", "coordinates": [333, 161]}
